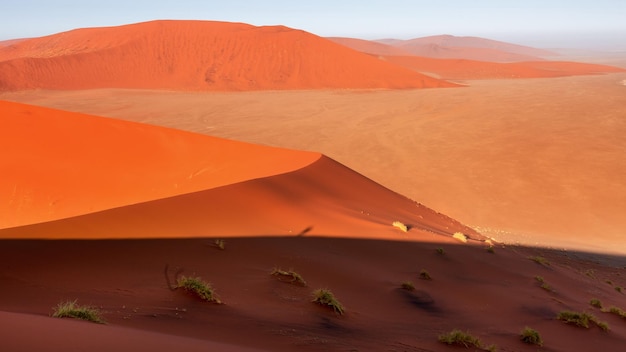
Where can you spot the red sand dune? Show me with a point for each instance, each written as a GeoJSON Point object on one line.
{"type": "Point", "coordinates": [59, 164]}
{"type": "Point", "coordinates": [470, 69]}
{"type": "Point", "coordinates": [472, 48]}
{"type": "Point", "coordinates": [196, 55]}
{"type": "Point", "coordinates": [369, 47]}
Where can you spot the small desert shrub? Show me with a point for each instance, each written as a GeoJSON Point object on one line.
{"type": "Point", "coordinates": [543, 283]}
{"type": "Point", "coordinates": [291, 275]}
{"type": "Point", "coordinates": [325, 297]}
{"type": "Point", "coordinates": [617, 311]}
{"type": "Point", "coordinates": [400, 225]}
{"type": "Point", "coordinates": [460, 338]}
{"type": "Point", "coordinates": [603, 325]}
{"type": "Point", "coordinates": [576, 318]}
{"type": "Point", "coordinates": [460, 236]}
{"type": "Point", "coordinates": [596, 303]}
{"type": "Point", "coordinates": [71, 309]}
{"type": "Point", "coordinates": [539, 260]}
{"type": "Point", "coordinates": [424, 275]}
{"type": "Point", "coordinates": [199, 288]}
{"type": "Point", "coordinates": [221, 244]}
{"type": "Point", "coordinates": [531, 336]}
{"type": "Point", "coordinates": [440, 251]}
{"type": "Point", "coordinates": [407, 285]}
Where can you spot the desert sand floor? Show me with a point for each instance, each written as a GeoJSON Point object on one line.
{"type": "Point", "coordinates": [531, 161]}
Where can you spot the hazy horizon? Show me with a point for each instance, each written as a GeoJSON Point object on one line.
{"type": "Point", "coordinates": [580, 24]}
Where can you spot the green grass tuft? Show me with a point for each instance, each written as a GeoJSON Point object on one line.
{"type": "Point", "coordinates": [575, 318]}
{"type": "Point", "coordinates": [292, 276]}
{"type": "Point", "coordinates": [531, 336]}
{"type": "Point", "coordinates": [71, 309]}
{"type": "Point", "coordinates": [325, 297]}
{"type": "Point", "coordinates": [199, 288]}
{"type": "Point", "coordinates": [595, 303]}
{"type": "Point", "coordinates": [460, 338]}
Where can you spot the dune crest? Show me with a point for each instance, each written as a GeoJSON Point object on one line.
{"type": "Point", "coordinates": [196, 55]}
{"type": "Point", "coordinates": [65, 164]}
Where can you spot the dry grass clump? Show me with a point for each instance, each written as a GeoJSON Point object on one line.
{"type": "Point", "coordinates": [440, 251]}
{"type": "Point", "coordinates": [543, 284]}
{"type": "Point", "coordinates": [460, 236]}
{"type": "Point", "coordinates": [531, 336]}
{"type": "Point", "coordinates": [198, 288]}
{"type": "Point", "coordinates": [491, 250]}
{"type": "Point", "coordinates": [424, 275]}
{"type": "Point", "coordinates": [71, 309]}
{"type": "Point", "coordinates": [219, 243]}
{"type": "Point", "coordinates": [400, 226]}
{"type": "Point", "coordinates": [407, 285]}
{"type": "Point", "coordinates": [539, 260]}
{"type": "Point", "coordinates": [291, 276]}
{"type": "Point", "coordinates": [325, 297]}
{"type": "Point", "coordinates": [595, 303]}
{"type": "Point", "coordinates": [581, 319]}
{"type": "Point", "coordinates": [617, 311]}
{"type": "Point", "coordinates": [460, 338]}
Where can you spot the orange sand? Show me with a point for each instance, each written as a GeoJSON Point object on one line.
{"type": "Point", "coordinates": [196, 55]}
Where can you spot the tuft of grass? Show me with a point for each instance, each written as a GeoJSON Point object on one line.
{"type": "Point", "coordinates": [544, 285]}
{"type": "Point", "coordinates": [424, 275]}
{"type": "Point", "coordinates": [491, 348]}
{"type": "Point", "coordinates": [617, 311]}
{"type": "Point", "coordinates": [531, 336]}
{"type": "Point", "coordinates": [440, 251]}
{"type": "Point", "coordinates": [491, 250]}
{"type": "Point", "coordinates": [71, 309]}
{"type": "Point", "coordinates": [595, 303]}
{"type": "Point", "coordinates": [460, 236]}
{"type": "Point", "coordinates": [460, 338]}
{"type": "Point", "coordinates": [539, 260]}
{"type": "Point", "coordinates": [219, 243]}
{"type": "Point", "coordinates": [292, 276]}
{"type": "Point", "coordinates": [407, 285]}
{"type": "Point", "coordinates": [618, 289]}
{"type": "Point", "coordinates": [325, 297]}
{"type": "Point", "coordinates": [198, 288]}
{"type": "Point", "coordinates": [576, 318]}
{"type": "Point", "coordinates": [603, 325]}
{"type": "Point", "coordinates": [400, 226]}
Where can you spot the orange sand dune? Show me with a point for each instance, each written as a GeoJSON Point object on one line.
{"type": "Point", "coordinates": [324, 198]}
{"type": "Point", "coordinates": [58, 164]}
{"type": "Point", "coordinates": [369, 47]}
{"type": "Point", "coordinates": [472, 48]}
{"type": "Point", "coordinates": [196, 55]}
{"type": "Point", "coordinates": [470, 69]}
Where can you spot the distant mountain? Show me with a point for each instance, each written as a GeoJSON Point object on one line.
{"type": "Point", "coordinates": [196, 55]}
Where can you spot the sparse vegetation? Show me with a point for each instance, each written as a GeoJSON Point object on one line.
{"type": "Point", "coordinates": [581, 319]}
{"type": "Point", "coordinates": [460, 236]}
{"type": "Point", "coordinates": [595, 303]}
{"type": "Point", "coordinates": [618, 289]}
{"type": "Point", "coordinates": [71, 309]}
{"type": "Point", "coordinates": [199, 288]}
{"type": "Point", "coordinates": [424, 275]}
{"type": "Point", "coordinates": [531, 336]}
{"type": "Point", "coordinates": [292, 276]}
{"type": "Point", "coordinates": [491, 250]}
{"type": "Point", "coordinates": [407, 285]}
{"type": "Point", "coordinates": [539, 260]}
{"type": "Point", "coordinates": [617, 311]}
{"type": "Point", "coordinates": [219, 243]}
{"type": "Point", "coordinates": [400, 226]}
{"type": "Point", "coordinates": [325, 297]}
{"type": "Point", "coordinates": [440, 251]}
{"type": "Point", "coordinates": [460, 338]}
{"type": "Point", "coordinates": [543, 284]}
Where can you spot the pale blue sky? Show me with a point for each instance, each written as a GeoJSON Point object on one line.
{"type": "Point", "coordinates": [544, 23]}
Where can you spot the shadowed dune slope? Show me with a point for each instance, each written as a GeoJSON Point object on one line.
{"type": "Point", "coordinates": [471, 69]}
{"type": "Point", "coordinates": [196, 55]}
{"type": "Point", "coordinates": [369, 46]}
{"type": "Point", "coordinates": [473, 48]}
{"type": "Point", "coordinates": [58, 164]}
{"type": "Point", "coordinates": [324, 198]}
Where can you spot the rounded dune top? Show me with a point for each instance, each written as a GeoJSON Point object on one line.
{"type": "Point", "coordinates": [59, 164]}
{"type": "Point", "coordinates": [196, 55]}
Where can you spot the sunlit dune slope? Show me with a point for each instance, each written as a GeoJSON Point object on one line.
{"type": "Point", "coordinates": [473, 48]}
{"type": "Point", "coordinates": [471, 69]}
{"type": "Point", "coordinates": [196, 55]}
{"type": "Point", "coordinates": [57, 164]}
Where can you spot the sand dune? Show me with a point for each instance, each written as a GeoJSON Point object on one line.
{"type": "Point", "coordinates": [64, 164]}
{"type": "Point", "coordinates": [472, 48]}
{"type": "Point", "coordinates": [460, 69]}
{"type": "Point", "coordinates": [196, 55]}
{"type": "Point", "coordinates": [370, 47]}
